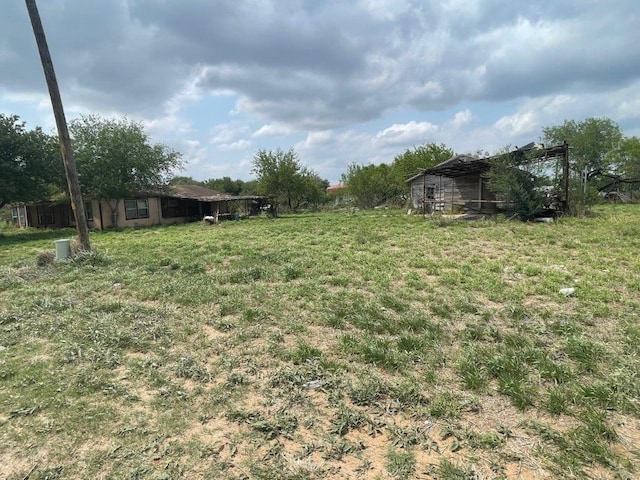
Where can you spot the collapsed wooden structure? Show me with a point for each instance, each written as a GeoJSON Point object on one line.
{"type": "Point", "coordinates": [460, 184]}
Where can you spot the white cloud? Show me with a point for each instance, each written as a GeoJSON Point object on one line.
{"type": "Point", "coordinates": [558, 105]}
{"type": "Point", "coordinates": [227, 133]}
{"type": "Point", "coordinates": [407, 133]}
{"type": "Point", "coordinates": [167, 126]}
{"type": "Point", "coordinates": [461, 119]}
{"type": "Point", "coordinates": [317, 139]}
{"type": "Point", "coordinates": [239, 145]}
{"type": "Point", "coordinates": [523, 122]}
{"type": "Point", "coordinates": [273, 130]}
{"type": "Point", "coordinates": [41, 100]}
{"type": "Point", "coordinates": [193, 154]}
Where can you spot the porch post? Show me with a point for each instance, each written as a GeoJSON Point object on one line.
{"type": "Point", "coordinates": [424, 194]}
{"type": "Point", "coordinates": [565, 179]}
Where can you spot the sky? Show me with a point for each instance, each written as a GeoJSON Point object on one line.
{"type": "Point", "coordinates": [339, 81]}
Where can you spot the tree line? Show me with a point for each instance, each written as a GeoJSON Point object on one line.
{"type": "Point", "coordinates": [115, 157]}
{"type": "Point", "coordinates": [281, 176]}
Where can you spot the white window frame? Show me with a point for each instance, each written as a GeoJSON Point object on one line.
{"type": "Point", "coordinates": [136, 208]}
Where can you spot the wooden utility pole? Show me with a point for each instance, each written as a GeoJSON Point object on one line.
{"type": "Point", "coordinates": [61, 123]}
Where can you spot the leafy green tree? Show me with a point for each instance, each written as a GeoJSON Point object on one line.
{"type": "Point", "coordinates": [627, 158]}
{"type": "Point", "coordinates": [184, 180]}
{"type": "Point", "coordinates": [592, 143]}
{"type": "Point", "coordinates": [516, 185]}
{"type": "Point", "coordinates": [625, 175]}
{"type": "Point", "coordinates": [285, 179]}
{"type": "Point", "coordinates": [251, 187]}
{"type": "Point", "coordinates": [370, 185]}
{"type": "Point", "coordinates": [31, 167]}
{"type": "Point", "coordinates": [314, 190]}
{"type": "Point", "coordinates": [414, 161]}
{"type": "Point", "coordinates": [225, 185]}
{"type": "Point", "coordinates": [115, 159]}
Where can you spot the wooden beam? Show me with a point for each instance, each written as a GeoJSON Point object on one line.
{"type": "Point", "coordinates": [565, 179]}
{"type": "Point", "coordinates": [61, 124]}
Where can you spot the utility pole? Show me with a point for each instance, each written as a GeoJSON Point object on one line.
{"type": "Point", "coordinates": [63, 132]}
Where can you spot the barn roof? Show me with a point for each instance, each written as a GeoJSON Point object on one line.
{"type": "Point", "coordinates": [457, 166]}
{"type": "Point", "coordinates": [462, 165]}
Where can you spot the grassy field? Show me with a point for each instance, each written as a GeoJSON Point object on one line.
{"type": "Point", "coordinates": [365, 345]}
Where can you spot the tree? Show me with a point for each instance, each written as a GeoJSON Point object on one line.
{"type": "Point", "coordinates": [251, 188]}
{"type": "Point", "coordinates": [284, 178]}
{"type": "Point", "coordinates": [626, 158]}
{"type": "Point", "coordinates": [313, 191]}
{"type": "Point", "coordinates": [369, 185]}
{"type": "Point", "coordinates": [625, 176]}
{"type": "Point", "coordinates": [116, 159]}
{"type": "Point", "coordinates": [414, 161]}
{"type": "Point", "coordinates": [30, 164]}
{"type": "Point", "coordinates": [516, 185]}
{"type": "Point", "coordinates": [372, 185]}
{"type": "Point", "coordinates": [184, 180]}
{"type": "Point", "coordinates": [592, 143]}
{"type": "Point", "coordinates": [225, 185]}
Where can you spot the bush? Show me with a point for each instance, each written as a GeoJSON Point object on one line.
{"type": "Point", "coordinates": [516, 186]}
{"type": "Point", "coordinates": [45, 258]}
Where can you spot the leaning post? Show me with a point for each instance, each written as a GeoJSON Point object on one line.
{"type": "Point", "coordinates": [61, 124]}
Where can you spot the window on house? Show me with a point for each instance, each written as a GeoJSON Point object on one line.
{"type": "Point", "coordinates": [45, 215]}
{"type": "Point", "coordinates": [138, 208]}
{"type": "Point", "coordinates": [14, 214]}
{"type": "Point", "coordinates": [171, 208]}
{"type": "Point", "coordinates": [431, 191]}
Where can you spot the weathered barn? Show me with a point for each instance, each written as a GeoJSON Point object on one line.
{"type": "Point", "coordinates": [460, 183]}
{"type": "Point", "coordinates": [456, 184]}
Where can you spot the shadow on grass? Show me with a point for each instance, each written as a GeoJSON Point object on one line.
{"type": "Point", "coordinates": [31, 235]}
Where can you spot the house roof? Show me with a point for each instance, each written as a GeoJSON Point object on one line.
{"type": "Point", "coordinates": [333, 188]}
{"type": "Point", "coordinates": [191, 191]}
{"type": "Point", "coordinates": [186, 192]}
{"type": "Point", "coordinates": [203, 194]}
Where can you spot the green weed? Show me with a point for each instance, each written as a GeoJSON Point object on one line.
{"type": "Point", "coordinates": [281, 348]}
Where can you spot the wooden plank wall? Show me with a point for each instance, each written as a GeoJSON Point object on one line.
{"type": "Point", "coordinates": [441, 186]}
{"type": "Point", "coordinates": [450, 192]}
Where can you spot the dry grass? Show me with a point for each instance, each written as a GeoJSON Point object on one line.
{"type": "Point", "coordinates": [325, 346]}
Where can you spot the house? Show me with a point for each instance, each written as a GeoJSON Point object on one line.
{"type": "Point", "coordinates": [336, 188]}
{"type": "Point", "coordinates": [177, 204]}
{"type": "Point", "coordinates": [337, 194]}
{"type": "Point", "coordinates": [455, 184]}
